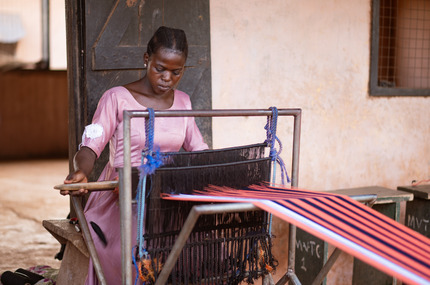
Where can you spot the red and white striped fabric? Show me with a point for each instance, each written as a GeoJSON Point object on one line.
{"type": "Point", "coordinates": [345, 223]}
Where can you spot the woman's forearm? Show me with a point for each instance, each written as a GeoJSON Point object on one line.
{"type": "Point", "coordinates": [84, 160]}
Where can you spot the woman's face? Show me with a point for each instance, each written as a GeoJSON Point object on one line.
{"type": "Point", "coordinates": [164, 70]}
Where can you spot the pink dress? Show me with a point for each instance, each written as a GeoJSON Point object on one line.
{"type": "Point", "coordinates": [102, 208]}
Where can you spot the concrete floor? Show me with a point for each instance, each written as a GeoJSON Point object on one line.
{"type": "Point", "coordinates": [27, 198]}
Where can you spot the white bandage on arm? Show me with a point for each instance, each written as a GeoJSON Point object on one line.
{"type": "Point", "coordinates": [91, 132]}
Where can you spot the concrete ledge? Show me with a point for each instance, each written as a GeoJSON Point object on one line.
{"type": "Point", "coordinates": [74, 266]}
{"type": "Point", "coordinates": [385, 195]}
{"type": "Point", "coordinates": [64, 232]}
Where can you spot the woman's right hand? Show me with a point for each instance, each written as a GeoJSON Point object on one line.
{"type": "Point", "coordinates": [83, 163]}
{"type": "Point", "coordinates": [75, 177]}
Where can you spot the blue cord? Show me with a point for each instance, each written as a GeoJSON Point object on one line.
{"type": "Point", "coordinates": [149, 130]}
{"type": "Point", "coordinates": [135, 266]}
{"type": "Point", "coordinates": [271, 140]}
{"type": "Point", "coordinates": [150, 161]}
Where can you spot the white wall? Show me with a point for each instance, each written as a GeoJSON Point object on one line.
{"type": "Point", "coordinates": [29, 47]}
{"type": "Point", "coordinates": [57, 31]}
{"type": "Point", "coordinates": [314, 55]}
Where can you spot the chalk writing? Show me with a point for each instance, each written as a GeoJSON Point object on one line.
{"type": "Point", "coordinates": [419, 224]}
{"type": "Point", "coordinates": [309, 247]}
{"type": "Point", "coordinates": [303, 267]}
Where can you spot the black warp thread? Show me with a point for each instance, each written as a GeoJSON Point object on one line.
{"type": "Point", "coordinates": [223, 248]}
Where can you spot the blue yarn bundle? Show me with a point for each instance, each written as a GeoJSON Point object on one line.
{"type": "Point", "coordinates": [271, 139]}
{"type": "Point", "coordinates": [153, 161]}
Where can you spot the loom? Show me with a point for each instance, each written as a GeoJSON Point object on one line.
{"type": "Point", "coordinates": [126, 186]}
{"type": "Point", "coordinates": [329, 217]}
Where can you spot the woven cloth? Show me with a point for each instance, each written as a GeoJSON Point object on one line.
{"type": "Point", "coordinates": [345, 223]}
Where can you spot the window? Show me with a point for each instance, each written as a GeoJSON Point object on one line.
{"type": "Point", "coordinates": [400, 51]}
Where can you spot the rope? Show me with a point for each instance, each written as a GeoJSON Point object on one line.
{"type": "Point", "coordinates": [135, 266]}
{"type": "Point", "coordinates": [150, 161]}
{"type": "Point", "coordinates": [271, 139]}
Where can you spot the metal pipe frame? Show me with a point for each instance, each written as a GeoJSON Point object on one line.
{"type": "Point", "coordinates": [188, 226]}
{"type": "Point", "coordinates": [88, 239]}
{"type": "Point", "coordinates": [327, 267]}
{"type": "Point", "coordinates": [125, 197]}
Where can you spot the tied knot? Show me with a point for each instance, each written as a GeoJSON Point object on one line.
{"type": "Point", "coordinates": [273, 154]}
{"type": "Point", "coordinates": [151, 156]}
{"type": "Point", "coordinates": [153, 161]}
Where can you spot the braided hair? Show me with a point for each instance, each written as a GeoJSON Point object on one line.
{"type": "Point", "coordinates": [170, 38]}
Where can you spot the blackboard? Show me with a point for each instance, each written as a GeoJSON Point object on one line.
{"type": "Point", "coordinates": [417, 216]}
{"type": "Point", "coordinates": [311, 254]}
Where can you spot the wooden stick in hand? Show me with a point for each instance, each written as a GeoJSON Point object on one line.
{"type": "Point", "coordinates": [91, 186]}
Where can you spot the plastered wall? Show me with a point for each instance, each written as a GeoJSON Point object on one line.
{"type": "Point", "coordinates": [28, 49]}
{"type": "Point", "coordinates": [315, 55]}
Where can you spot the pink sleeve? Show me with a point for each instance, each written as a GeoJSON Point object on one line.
{"type": "Point", "coordinates": [97, 135]}
{"type": "Point", "coordinates": [193, 138]}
